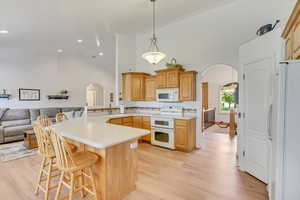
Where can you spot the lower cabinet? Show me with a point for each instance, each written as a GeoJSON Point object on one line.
{"type": "Point", "coordinates": [142, 122]}
{"type": "Point", "coordinates": [185, 135]}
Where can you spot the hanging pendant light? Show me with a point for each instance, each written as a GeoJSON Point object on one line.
{"type": "Point", "coordinates": [154, 56]}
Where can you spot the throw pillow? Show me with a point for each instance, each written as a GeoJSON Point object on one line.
{"type": "Point", "coordinates": [70, 115]}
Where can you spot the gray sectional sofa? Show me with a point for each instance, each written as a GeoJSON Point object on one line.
{"type": "Point", "coordinates": [13, 122]}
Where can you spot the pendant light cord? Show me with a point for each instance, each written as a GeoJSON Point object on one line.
{"type": "Point", "coordinates": [154, 36]}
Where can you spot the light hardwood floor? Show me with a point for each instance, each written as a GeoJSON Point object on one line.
{"type": "Point", "coordinates": [208, 174]}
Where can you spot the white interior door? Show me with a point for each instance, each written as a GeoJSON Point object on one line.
{"type": "Point", "coordinates": [257, 107]}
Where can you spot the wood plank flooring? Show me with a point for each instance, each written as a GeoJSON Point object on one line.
{"type": "Point", "coordinates": [208, 174]}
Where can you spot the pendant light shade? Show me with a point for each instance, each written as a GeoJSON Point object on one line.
{"type": "Point", "coordinates": [153, 56]}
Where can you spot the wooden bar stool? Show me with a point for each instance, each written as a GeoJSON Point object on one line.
{"type": "Point", "coordinates": [74, 166]}
{"type": "Point", "coordinates": [44, 120]}
{"type": "Point", "coordinates": [46, 150]}
{"type": "Point", "coordinates": [60, 117]}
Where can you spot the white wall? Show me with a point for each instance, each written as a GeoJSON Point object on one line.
{"type": "Point", "coordinates": [216, 77]}
{"type": "Point", "coordinates": [51, 74]}
{"type": "Point", "coordinates": [213, 37]}
{"type": "Point", "coordinates": [126, 56]}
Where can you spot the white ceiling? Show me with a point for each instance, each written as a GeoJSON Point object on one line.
{"type": "Point", "coordinates": [53, 24]}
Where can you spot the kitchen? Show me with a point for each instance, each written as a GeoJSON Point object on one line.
{"type": "Point", "coordinates": [164, 103]}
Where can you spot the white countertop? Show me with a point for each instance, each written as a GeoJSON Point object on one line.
{"type": "Point", "coordinates": [94, 131]}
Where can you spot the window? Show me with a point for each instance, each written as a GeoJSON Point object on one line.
{"type": "Point", "coordinates": [227, 98]}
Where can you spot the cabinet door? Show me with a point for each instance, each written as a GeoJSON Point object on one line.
{"type": "Point", "coordinates": [138, 91]}
{"type": "Point", "coordinates": [150, 88]}
{"type": "Point", "coordinates": [137, 122]}
{"type": "Point", "coordinates": [161, 80]}
{"type": "Point", "coordinates": [187, 86]}
{"type": "Point", "coordinates": [146, 125]}
{"type": "Point", "coordinates": [293, 42]}
{"type": "Point", "coordinates": [172, 79]}
{"type": "Point", "coordinates": [181, 137]}
{"type": "Point", "coordinates": [117, 121]}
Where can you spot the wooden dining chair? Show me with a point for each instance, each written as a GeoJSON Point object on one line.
{"type": "Point", "coordinates": [60, 117]}
{"type": "Point", "coordinates": [76, 165]}
{"type": "Point", "coordinates": [44, 120]}
{"type": "Point", "coordinates": [47, 169]}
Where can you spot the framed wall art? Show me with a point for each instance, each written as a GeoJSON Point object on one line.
{"type": "Point", "coordinates": [29, 94]}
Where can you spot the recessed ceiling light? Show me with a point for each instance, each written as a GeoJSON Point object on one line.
{"type": "Point", "coordinates": [3, 31]}
{"type": "Point", "coordinates": [101, 54]}
{"type": "Point", "coordinates": [59, 50]}
{"type": "Point", "coordinates": [79, 41]}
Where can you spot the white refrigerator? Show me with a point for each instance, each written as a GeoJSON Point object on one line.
{"type": "Point", "coordinates": [289, 136]}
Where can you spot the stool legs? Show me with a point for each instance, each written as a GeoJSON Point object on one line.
{"type": "Point", "coordinates": [46, 170]}
{"type": "Point", "coordinates": [69, 182]}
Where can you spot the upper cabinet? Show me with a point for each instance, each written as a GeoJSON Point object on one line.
{"type": "Point", "coordinates": [150, 89]}
{"type": "Point", "coordinates": [134, 86]}
{"type": "Point", "coordinates": [138, 86]}
{"type": "Point", "coordinates": [187, 88]}
{"type": "Point", "coordinates": [168, 78]}
{"type": "Point", "coordinates": [292, 35]}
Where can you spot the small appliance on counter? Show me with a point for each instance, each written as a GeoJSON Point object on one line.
{"type": "Point", "coordinates": [122, 109]}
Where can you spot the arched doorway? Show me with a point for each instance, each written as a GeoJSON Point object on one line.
{"type": "Point", "coordinates": [220, 91]}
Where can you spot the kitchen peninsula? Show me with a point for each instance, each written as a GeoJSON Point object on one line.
{"type": "Point", "coordinates": [116, 171]}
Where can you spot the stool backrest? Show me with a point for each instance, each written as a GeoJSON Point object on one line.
{"type": "Point", "coordinates": [45, 146]}
{"type": "Point", "coordinates": [44, 120]}
{"type": "Point", "coordinates": [62, 151]}
{"type": "Point", "coordinates": [60, 117]}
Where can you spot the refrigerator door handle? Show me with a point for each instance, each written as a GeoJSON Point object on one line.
{"type": "Point", "coordinates": [269, 121]}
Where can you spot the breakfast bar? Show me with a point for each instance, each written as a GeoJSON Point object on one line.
{"type": "Point", "coordinates": [116, 170]}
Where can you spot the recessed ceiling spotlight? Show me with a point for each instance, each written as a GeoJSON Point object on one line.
{"type": "Point", "coordinates": [79, 41]}
{"type": "Point", "coordinates": [3, 31]}
{"type": "Point", "coordinates": [101, 54]}
{"type": "Point", "coordinates": [59, 51]}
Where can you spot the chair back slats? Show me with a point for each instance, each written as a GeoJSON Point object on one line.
{"type": "Point", "coordinates": [62, 151]}
{"type": "Point", "coordinates": [60, 117]}
{"type": "Point", "coordinates": [44, 120]}
{"type": "Point", "coordinates": [45, 147]}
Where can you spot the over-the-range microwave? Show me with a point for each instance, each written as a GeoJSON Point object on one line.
{"type": "Point", "coordinates": [167, 95]}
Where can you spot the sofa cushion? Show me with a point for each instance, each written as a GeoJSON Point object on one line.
{"type": "Point", "coordinates": [16, 130]}
{"type": "Point", "coordinates": [34, 113]}
{"type": "Point", "coordinates": [2, 111]}
{"type": "Point", "coordinates": [50, 112]}
{"type": "Point", "coordinates": [71, 109]}
{"type": "Point", "coordinates": [12, 123]}
{"type": "Point", "coordinates": [15, 114]}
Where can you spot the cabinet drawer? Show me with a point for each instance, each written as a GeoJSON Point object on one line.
{"type": "Point", "coordinates": [179, 122]}
{"type": "Point", "coordinates": [116, 121]}
{"type": "Point", "coordinates": [127, 120]}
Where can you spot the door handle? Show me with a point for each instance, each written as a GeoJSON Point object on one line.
{"type": "Point", "coordinates": [269, 121]}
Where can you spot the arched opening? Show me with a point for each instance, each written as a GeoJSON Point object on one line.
{"type": "Point", "coordinates": [220, 91]}
{"type": "Point", "coordinates": [94, 95]}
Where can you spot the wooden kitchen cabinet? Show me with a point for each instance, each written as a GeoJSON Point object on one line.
{"type": "Point", "coordinates": [168, 78]}
{"type": "Point", "coordinates": [187, 88]}
{"type": "Point", "coordinates": [137, 121]}
{"type": "Point", "coordinates": [146, 124]}
{"type": "Point", "coordinates": [127, 121]}
{"type": "Point", "coordinates": [292, 35]}
{"type": "Point", "coordinates": [150, 88]}
{"type": "Point", "coordinates": [185, 135]}
{"type": "Point", "coordinates": [134, 86]}
{"type": "Point", "coordinates": [117, 121]}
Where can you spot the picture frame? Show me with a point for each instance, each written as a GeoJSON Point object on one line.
{"type": "Point", "coordinates": [29, 94]}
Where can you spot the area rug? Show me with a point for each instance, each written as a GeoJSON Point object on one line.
{"type": "Point", "coordinates": [13, 151]}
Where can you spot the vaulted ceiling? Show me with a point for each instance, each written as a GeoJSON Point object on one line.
{"type": "Point", "coordinates": [53, 24]}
